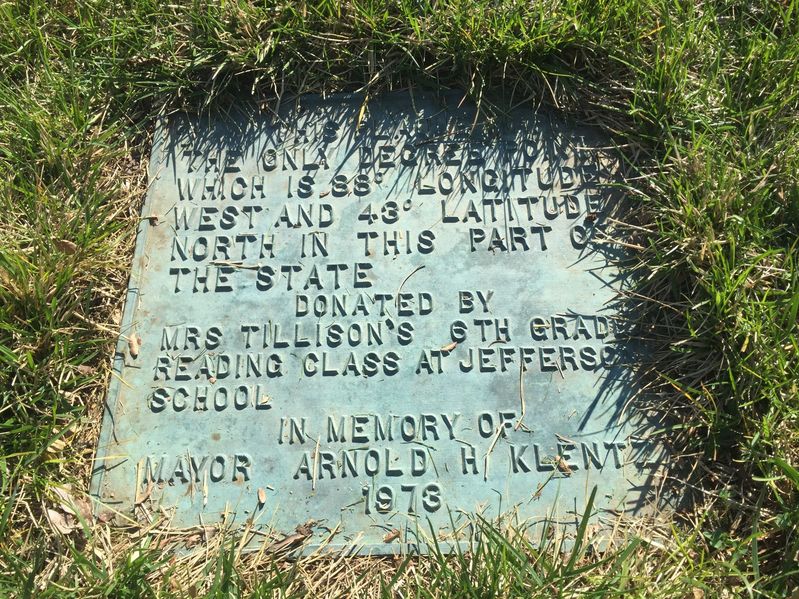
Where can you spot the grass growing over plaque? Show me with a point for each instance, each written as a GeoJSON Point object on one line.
{"type": "Point", "coordinates": [701, 97]}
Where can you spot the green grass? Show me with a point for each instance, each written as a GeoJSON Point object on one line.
{"type": "Point", "coordinates": [703, 97]}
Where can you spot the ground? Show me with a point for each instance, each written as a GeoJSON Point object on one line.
{"type": "Point", "coordinates": [701, 97]}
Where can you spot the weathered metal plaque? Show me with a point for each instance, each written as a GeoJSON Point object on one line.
{"type": "Point", "coordinates": [375, 320]}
